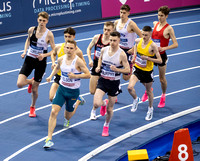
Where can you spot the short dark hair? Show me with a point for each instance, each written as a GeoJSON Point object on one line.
{"type": "Point", "coordinates": [71, 42]}
{"type": "Point", "coordinates": [115, 33]}
{"type": "Point", "coordinates": [109, 23]}
{"type": "Point", "coordinates": [147, 28]}
{"type": "Point", "coordinates": [44, 15]}
{"type": "Point", "coordinates": [70, 31]}
{"type": "Point", "coordinates": [164, 9]}
{"type": "Point", "coordinates": [125, 7]}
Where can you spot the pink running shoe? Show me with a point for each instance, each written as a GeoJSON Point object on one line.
{"type": "Point", "coordinates": [145, 96]}
{"type": "Point", "coordinates": [32, 112]}
{"type": "Point", "coordinates": [103, 108]}
{"type": "Point", "coordinates": [30, 87]}
{"type": "Point", "coordinates": [162, 102]}
{"type": "Point", "coordinates": [105, 131]}
{"type": "Point", "coordinates": [116, 100]}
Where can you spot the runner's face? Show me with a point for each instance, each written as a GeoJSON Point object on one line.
{"type": "Point", "coordinates": [114, 41]}
{"type": "Point", "coordinates": [67, 37]}
{"type": "Point", "coordinates": [146, 35]}
{"type": "Point", "coordinates": [124, 14]}
{"type": "Point", "coordinates": [42, 21]}
{"type": "Point", "coordinates": [69, 49]}
{"type": "Point", "coordinates": [107, 30]}
{"type": "Point", "coordinates": [162, 17]}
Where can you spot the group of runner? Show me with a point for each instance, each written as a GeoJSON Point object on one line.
{"type": "Point", "coordinates": [116, 51]}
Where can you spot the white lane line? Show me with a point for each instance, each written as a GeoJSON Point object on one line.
{"type": "Point", "coordinates": [2, 73]}
{"type": "Point", "coordinates": [85, 94]}
{"type": "Point", "coordinates": [84, 121]}
{"type": "Point", "coordinates": [136, 131]}
{"type": "Point", "coordinates": [26, 113]}
{"type": "Point", "coordinates": [21, 89]}
{"type": "Point", "coordinates": [92, 24]}
{"type": "Point", "coordinates": [17, 52]}
{"type": "Point", "coordinates": [179, 24]}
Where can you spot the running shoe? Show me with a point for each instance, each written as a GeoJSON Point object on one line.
{"type": "Point", "coordinates": [80, 98]}
{"type": "Point", "coordinates": [116, 100]}
{"type": "Point", "coordinates": [103, 108]}
{"type": "Point", "coordinates": [162, 102]}
{"type": "Point", "coordinates": [32, 112]}
{"type": "Point", "coordinates": [30, 87]}
{"type": "Point", "coordinates": [145, 96]}
{"type": "Point", "coordinates": [105, 131]}
{"type": "Point", "coordinates": [48, 143]}
{"type": "Point", "coordinates": [149, 115]}
{"type": "Point", "coordinates": [66, 123]}
{"type": "Point", "coordinates": [135, 104]}
{"type": "Point", "coordinates": [93, 116]}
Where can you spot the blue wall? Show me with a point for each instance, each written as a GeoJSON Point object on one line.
{"type": "Point", "coordinates": [19, 15]}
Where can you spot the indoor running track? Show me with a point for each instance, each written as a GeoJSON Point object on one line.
{"type": "Point", "coordinates": [22, 138]}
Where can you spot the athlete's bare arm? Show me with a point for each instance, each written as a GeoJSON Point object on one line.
{"type": "Point", "coordinates": [174, 44]}
{"type": "Point", "coordinates": [135, 28]}
{"type": "Point", "coordinates": [79, 53]}
{"type": "Point", "coordinates": [89, 48]}
{"type": "Point", "coordinates": [153, 49]}
{"type": "Point", "coordinates": [53, 56]}
{"type": "Point", "coordinates": [55, 70]}
{"type": "Point", "coordinates": [125, 64]}
{"type": "Point", "coordinates": [27, 43]}
{"type": "Point", "coordinates": [80, 65]}
{"type": "Point", "coordinates": [98, 68]}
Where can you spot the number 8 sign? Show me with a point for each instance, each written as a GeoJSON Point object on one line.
{"type": "Point", "coordinates": [182, 146]}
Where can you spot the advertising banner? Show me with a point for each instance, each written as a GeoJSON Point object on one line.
{"type": "Point", "coordinates": [10, 16]}
{"type": "Point", "coordinates": [111, 8]}
{"type": "Point", "coordinates": [62, 12]}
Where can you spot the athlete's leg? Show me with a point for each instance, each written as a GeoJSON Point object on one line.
{"type": "Point", "coordinates": [111, 102]}
{"type": "Point", "coordinates": [133, 80]}
{"type": "Point", "coordinates": [23, 81]}
{"type": "Point", "coordinates": [53, 90]}
{"type": "Point", "coordinates": [163, 81]}
{"type": "Point", "coordinates": [149, 93]}
{"type": "Point", "coordinates": [93, 83]}
{"type": "Point", "coordinates": [52, 120]}
{"type": "Point", "coordinates": [35, 86]}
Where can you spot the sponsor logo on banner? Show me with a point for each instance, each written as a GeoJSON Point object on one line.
{"type": "Point", "coordinates": [59, 7]}
{"type": "Point", "coordinates": [5, 10]}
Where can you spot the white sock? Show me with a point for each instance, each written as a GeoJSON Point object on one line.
{"type": "Point", "coordinates": [150, 109]}
{"type": "Point", "coordinates": [106, 124]}
{"type": "Point", "coordinates": [135, 99]}
{"type": "Point", "coordinates": [93, 111]}
{"type": "Point", "coordinates": [66, 119]}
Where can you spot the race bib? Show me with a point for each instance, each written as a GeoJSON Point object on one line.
{"type": "Point", "coordinates": [66, 80]}
{"type": "Point", "coordinates": [157, 42]}
{"type": "Point", "coordinates": [98, 52]}
{"type": "Point", "coordinates": [140, 62]}
{"type": "Point", "coordinates": [124, 42]}
{"type": "Point", "coordinates": [107, 73]}
{"type": "Point", "coordinates": [35, 51]}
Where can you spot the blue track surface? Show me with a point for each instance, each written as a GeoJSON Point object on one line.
{"type": "Point", "coordinates": [22, 138]}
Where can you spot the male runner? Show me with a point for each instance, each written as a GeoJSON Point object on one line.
{"type": "Point", "coordinates": [36, 49]}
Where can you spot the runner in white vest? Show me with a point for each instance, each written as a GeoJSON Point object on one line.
{"type": "Point", "coordinates": [112, 62]}
{"type": "Point", "coordinates": [72, 70]}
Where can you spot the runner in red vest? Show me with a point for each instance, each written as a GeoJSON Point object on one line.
{"type": "Point", "coordinates": [161, 35]}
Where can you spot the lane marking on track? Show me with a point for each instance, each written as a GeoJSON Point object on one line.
{"type": "Point", "coordinates": [179, 24]}
{"type": "Point", "coordinates": [44, 83]}
{"type": "Point", "coordinates": [98, 23]}
{"type": "Point", "coordinates": [85, 94]}
{"type": "Point", "coordinates": [136, 131]}
{"type": "Point", "coordinates": [122, 137]}
{"type": "Point", "coordinates": [190, 36]}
